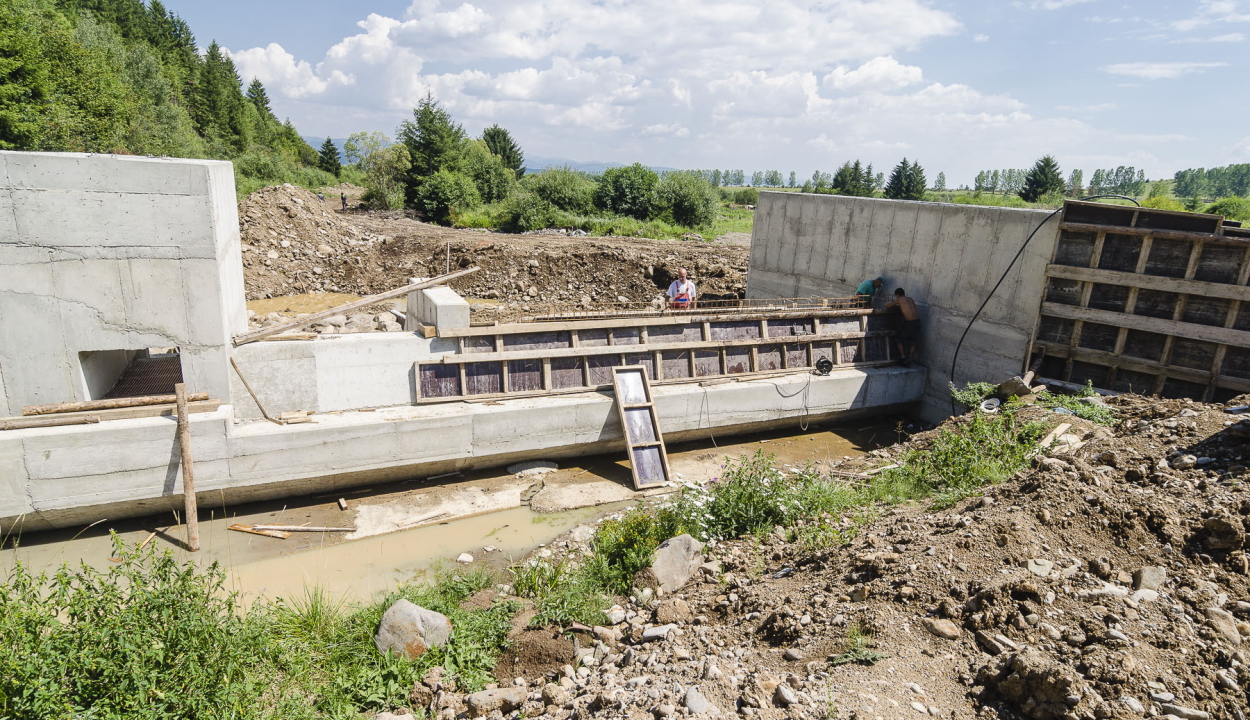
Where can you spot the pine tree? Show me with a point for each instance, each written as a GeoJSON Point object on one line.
{"type": "Point", "coordinates": [434, 142]}
{"type": "Point", "coordinates": [914, 183]}
{"type": "Point", "coordinates": [329, 158]}
{"type": "Point", "coordinates": [501, 143]}
{"type": "Point", "coordinates": [256, 93]}
{"type": "Point", "coordinates": [854, 179]}
{"type": "Point", "coordinates": [895, 187]}
{"type": "Point", "coordinates": [1042, 180]}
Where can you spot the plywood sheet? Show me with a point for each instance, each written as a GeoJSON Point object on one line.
{"type": "Point", "coordinates": [676, 364]}
{"type": "Point", "coordinates": [706, 363]}
{"type": "Point", "coordinates": [537, 341]}
{"type": "Point", "coordinates": [737, 360]}
{"type": "Point", "coordinates": [525, 375]}
{"type": "Point", "coordinates": [740, 330]}
{"type": "Point", "coordinates": [566, 373]}
{"type": "Point", "coordinates": [674, 334]}
{"type": "Point", "coordinates": [484, 378]}
{"type": "Point", "coordinates": [439, 380]}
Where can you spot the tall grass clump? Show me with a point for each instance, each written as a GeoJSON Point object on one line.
{"type": "Point", "coordinates": [623, 546]}
{"type": "Point", "coordinates": [562, 593]}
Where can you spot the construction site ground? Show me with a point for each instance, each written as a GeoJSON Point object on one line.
{"type": "Point", "coordinates": [296, 244]}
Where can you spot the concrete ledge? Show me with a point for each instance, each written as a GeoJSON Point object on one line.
{"type": "Point", "coordinates": [66, 476]}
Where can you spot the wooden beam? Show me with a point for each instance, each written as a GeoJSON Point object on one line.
{"type": "Point", "coordinates": [1100, 357]}
{"type": "Point", "coordinates": [565, 325]}
{"type": "Point", "coordinates": [1191, 331]}
{"type": "Point", "coordinates": [1150, 282]}
{"type": "Point", "coordinates": [23, 423]}
{"type": "Point", "coordinates": [1169, 234]}
{"type": "Point", "coordinates": [142, 411]}
{"type": "Point", "coordinates": [190, 508]}
{"type": "Point", "coordinates": [584, 351]}
{"type": "Point", "coordinates": [88, 405]}
{"type": "Point", "coordinates": [348, 307]}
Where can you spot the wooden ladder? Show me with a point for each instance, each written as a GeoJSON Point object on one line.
{"type": "Point", "coordinates": [648, 458]}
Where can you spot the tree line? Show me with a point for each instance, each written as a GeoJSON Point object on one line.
{"type": "Point", "coordinates": [435, 167]}
{"type": "Point", "coordinates": [122, 76]}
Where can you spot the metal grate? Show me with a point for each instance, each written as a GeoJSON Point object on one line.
{"type": "Point", "coordinates": [148, 376]}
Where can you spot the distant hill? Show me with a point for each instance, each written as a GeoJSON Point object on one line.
{"type": "Point", "coordinates": [316, 142]}
{"type": "Point", "coordinates": [534, 163]}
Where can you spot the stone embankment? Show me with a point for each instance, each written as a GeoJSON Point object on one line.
{"type": "Point", "coordinates": [1109, 580]}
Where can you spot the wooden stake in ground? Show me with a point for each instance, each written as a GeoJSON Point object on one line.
{"type": "Point", "coordinates": [188, 470]}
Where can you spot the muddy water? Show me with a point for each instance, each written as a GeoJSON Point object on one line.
{"type": "Point", "coordinates": [266, 567]}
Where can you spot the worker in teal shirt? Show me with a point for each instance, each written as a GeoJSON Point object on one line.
{"type": "Point", "coordinates": [866, 290]}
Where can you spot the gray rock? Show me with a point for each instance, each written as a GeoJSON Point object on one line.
{"type": "Point", "coordinates": [1184, 713]}
{"type": "Point", "coordinates": [695, 702]}
{"type": "Point", "coordinates": [711, 569]}
{"type": "Point", "coordinates": [793, 655]}
{"type": "Point", "coordinates": [665, 710]}
{"type": "Point", "coordinates": [504, 700]}
{"type": "Point", "coordinates": [1223, 622]}
{"type": "Point", "coordinates": [409, 630]}
{"type": "Point", "coordinates": [784, 696]}
{"type": "Point", "coordinates": [1039, 566]}
{"type": "Point", "coordinates": [615, 615]}
{"type": "Point", "coordinates": [1144, 595]}
{"type": "Point", "coordinates": [554, 695]}
{"type": "Point", "coordinates": [1133, 704]}
{"type": "Point", "coordinates": [919, 707]}
{"type": "Point", "coordinates": [1162, 697]}
{"type": "Point", "coordinates": [675, 561]}
{"type": "Point", "coordinates": [1184, 462]}
{"type": "Point", "coordinates": [659, 632]}
{"type": "Point", "coordinates": [1015, 387]}
{"type": "Point", "coordinates": [1149, 577]}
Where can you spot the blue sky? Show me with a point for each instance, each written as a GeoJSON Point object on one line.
{"type": "Point", "coordinates": [783, 85]}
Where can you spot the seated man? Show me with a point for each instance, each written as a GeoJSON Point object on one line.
{"type": "Point", "coordinates": [866, 290]}
{"type": "Point", "coordinates": [681, 293]}
{"type": "Point", "coordinates": [909, 335]}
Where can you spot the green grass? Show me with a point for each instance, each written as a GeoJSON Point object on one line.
{"type": "Point", "coordinates": [562, 594]}
{"type": "Point", "coordinates": [857, 648]}
{"type": "Point", "coordinates": [153, 637]}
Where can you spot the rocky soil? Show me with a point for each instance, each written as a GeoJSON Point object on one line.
{"type": "Point", "coordinates": [1109, 580]}
{"type": "Point", "coordinates": [294, 243]}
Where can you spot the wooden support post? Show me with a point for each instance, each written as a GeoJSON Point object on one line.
{"type": "Point", "coordinates": [190, 510]}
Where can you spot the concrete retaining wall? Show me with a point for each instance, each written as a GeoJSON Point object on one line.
{"type": "Point", "coordinates": [107, 253]}
{"type": "Point", "coordinates": [63, 476]}
{"type": "Point", "coordinates": [947, 257]}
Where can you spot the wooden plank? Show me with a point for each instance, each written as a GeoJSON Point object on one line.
{"type": "Point", "coordinates": [585, 351]}
{"type": "Point", "coordinates": [20, 423]}
{"type": "Point", "coordinates": [1206, 333]}
{"type": "Point", "coordinates": [301, 528]}
{"type": "Point", "coordinates": [200, 406]}
{"type": "Point", "coordinates": [1168, 234]}
{"type": "Point", "coordinates": [607, 323]}
{"type": "Point", "coordinates": [348, 307]}
{"type": "Point", "coordinates": [190, 508]}
{"type": "Point", "coordinates": [1100, 357]}
{"type": "Point", "coordinates": [90, 405]}
{"type": "Point", "coordinates": [267, 533]}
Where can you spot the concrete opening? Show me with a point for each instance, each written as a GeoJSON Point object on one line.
{"type": "Point", "coordinates": [110, 374]}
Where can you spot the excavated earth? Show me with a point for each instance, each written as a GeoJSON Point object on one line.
{"type": "Point", "coordinates": [1108, 580]}
{"type": "Point", "coordinates": [295, 243]}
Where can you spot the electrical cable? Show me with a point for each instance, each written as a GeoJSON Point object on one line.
{"type": "Point", "coordinates": [1007, 271]}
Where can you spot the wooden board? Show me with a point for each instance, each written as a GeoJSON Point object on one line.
{"type": "Point", "coordinates": [648, 459]}
{"type": "Point", "coordinates": [142, 411]}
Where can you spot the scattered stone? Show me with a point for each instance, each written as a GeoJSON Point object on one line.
{"type": "Point", "coordinates": [504, 700]}
{"type": "Point", "coordinates": [1149, 577]}
{"type": "Point", "coordinates": [793, 655]}
{"type": "Point", "coordinates": [1184, 713]}
{"type": "Point", "coordinates": [695, 702]}
{"type": "Point", "coordinates": [941, 627]}
{"type": "Point", "coordinates": [672, 610]}
{"type": "Point", "coordinates": [1015, 387]}
{"type": "Point", "coordinates": [1225, 624]}
{"type": "Point", "coordinates": [534, 467]}
{"type": "Point", "coordinates": [676, 559]}
{"type": "Point", "coordinates": [1038, 566]}
{"type": "Point", "coordinates": [658, 632]}
{"type": "Point", "coordinates": [784, 696]}
{"type": "Point", "coordinates": [665, 710]}
{"type": "Point", "coordinates": [464, 558]}
{"type": "Point", "coordinates": [919, 707]}
{"type": "Point", "coordinates": [409, 630]}
{"type": "Point", "coordinates": [1133, 704]}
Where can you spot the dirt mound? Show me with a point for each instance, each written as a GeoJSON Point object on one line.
{"type": "Point", "coordinates": [535, 652]}
{"type": "Point", "coordinates": [1108, 580]}
{"type": "Point", "coordinates": [294, 243]}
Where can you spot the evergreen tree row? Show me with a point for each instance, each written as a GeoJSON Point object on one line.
{"type": "Point", "coordinates": [123, 76]}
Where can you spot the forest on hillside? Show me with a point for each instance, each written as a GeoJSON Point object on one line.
{"type": "Point", "coordinates": [122, 76]}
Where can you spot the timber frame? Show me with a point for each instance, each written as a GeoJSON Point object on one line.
{"type": "Point", "coordinates": [542, 358]}
{"type": "Point", "coordinates": [1148, 301]}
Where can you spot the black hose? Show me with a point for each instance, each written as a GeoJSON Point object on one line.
{"type": "Point", "coordinates": [1011, 264]}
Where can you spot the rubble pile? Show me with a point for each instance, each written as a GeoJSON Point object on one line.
{"type": "Point", "coordinates": [1109, 580]}
{"type": "Point", "coordinates": [295, 243]}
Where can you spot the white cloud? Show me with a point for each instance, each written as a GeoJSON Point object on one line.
{"type": "Point", "coordinates": [1055, 4]}
{"type": "Point", "coordinates": [1213, 12]}
{"type": "Point", "coordinates": [673, 129]}
{"type": "Point", "coordinates": [1241, 150]}
{"type": "Point", "coordinates": [879, 73]}
{"type": "Point", "coordinates": [1159, 70]}
{"type": "Point", "coordinates": [277, 67]}
{"type": "Point", "coordinates": [980, 37]}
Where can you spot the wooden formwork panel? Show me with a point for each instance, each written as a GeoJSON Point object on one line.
{"type": "Point", "coordinates": [1147, 300]}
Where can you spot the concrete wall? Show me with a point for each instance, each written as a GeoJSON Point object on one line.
{"type": "Point", "coordinates": [947, 257]}
{"type": "Point", "coordinates": [103, 252]}
{"type": "Point", "coordinates": [63, 476]}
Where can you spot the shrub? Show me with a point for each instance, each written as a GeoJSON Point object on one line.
{"type": "Point", "coordinates": [564, 188]}
{"type": "Point", "coordinates": [560, 593]}
{"type": "Point", "coordinates": [1163, 202]}
{"type": "Point", "coordinates": [445, 191]}
{"type": "Point", "coordinates": [623, 546]}
{"type": "Point", "coordinates": [688, 198]}
{"type": "Point", "coordinates": [627, 191]}
{"type": "Point", "coordinates": [491, 176]}
{"type": "Point", "coordinates": [747, 196]}
{"type": "Point", "coordinates": [528, 211]}
{"type": "Point", "coordinates": [1232, 207]}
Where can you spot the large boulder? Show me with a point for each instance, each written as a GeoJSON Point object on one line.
{"type": "Point", "coordinates": [675, 561]}
{"type": "Point", "coordinates": [409, 630]}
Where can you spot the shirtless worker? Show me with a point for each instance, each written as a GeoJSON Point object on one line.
{"type": "Point", "coordinates": [909, 335]}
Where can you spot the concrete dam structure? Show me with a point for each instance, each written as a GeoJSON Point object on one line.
{"type": "Point", "coordinates": [120, 276]}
